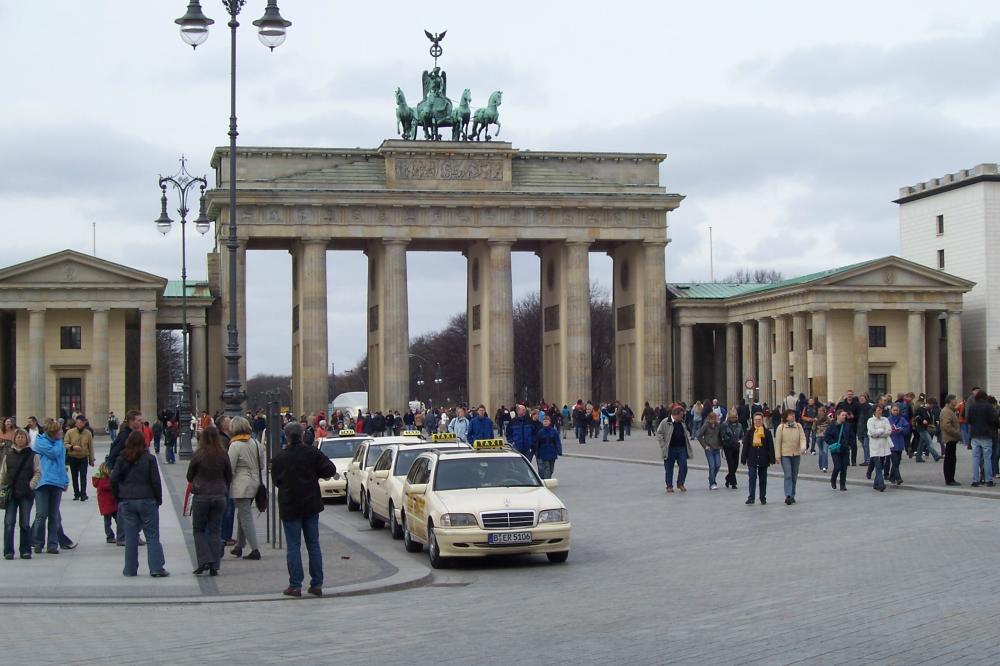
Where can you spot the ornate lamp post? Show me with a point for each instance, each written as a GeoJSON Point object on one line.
{"type": "Point", "coordinates": [271, 30]}
{"type": "Point", "coordinates": [183, 184]}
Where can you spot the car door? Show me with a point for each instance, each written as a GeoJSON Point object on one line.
{"type": "Point", "coordinates": [353, 477]}
{"type": "Point", "coordinates": [416, 505]}
{"type": "Point", "coordinates": [377, 488]}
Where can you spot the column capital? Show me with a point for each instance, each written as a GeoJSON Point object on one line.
{"type": "Point", "coordinates": [197, 325]}
{"type": "Point", "coordinates": [571, 242]}
{"type": "Point", "coordinates": [954, 313]}
{"type": "Point", "coordinates": [147, 310]}
{"type": "Point", "coordinates": [315, 241]}
{"type": "Point", "coordinates": [396, 241]}
{"type": "Point", "coordinates": [654, 242]}
{"type": "Point", "coordinates": [500, 242]}
{"type": "Point", "coordinates": [916, 311]}
{"type": "Point", "coordinates": [819, 309]}
{"type": "Point", "coordinates": [861, 310]}
{"type": "Point", "coordinates": [36, 309]}
{"type": "Point", "coordinates": [100, 309]}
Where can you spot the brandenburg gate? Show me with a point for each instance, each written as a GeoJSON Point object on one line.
{"type": "Point", "coordinates": [485, 200]}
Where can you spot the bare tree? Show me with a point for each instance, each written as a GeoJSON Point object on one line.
{"type": "Point", "coordinates": [754, 276]}
{"type": "Point", "coordinates": [602, 344]}
{"type": "Point", "coordinates": [169, 369]}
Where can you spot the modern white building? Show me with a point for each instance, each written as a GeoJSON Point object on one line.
{"type": "Point", "coordinates": [952, 223]}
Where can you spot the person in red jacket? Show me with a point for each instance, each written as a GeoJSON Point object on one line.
{"type": "Point", "coordinates": [106, 502]}
{"type": "Point", "coordinates": [147, 433]}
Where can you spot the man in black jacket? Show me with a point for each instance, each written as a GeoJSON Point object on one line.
{"type": "Point", "coordinates": [133, 421]}
{"type": "Point", "coordinates": [296, 471]}
{"type": "Point", "coordinates": [982, 418]}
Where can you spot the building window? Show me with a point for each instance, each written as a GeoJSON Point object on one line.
{"type": "Point", "coordinates": [626, 318]}
{"type": "Point", "coordinates": [943, 327]}
{"type": "Point", "coordinates": [878, 384]}
{"type": "Point", "coordinates": [476, 321]}
{"type": "Point", "coordinates": [809, 332]}
{"type": "Point", "coordinates": [940, 224]}
{"type": "Point", "coordinates": [791, 340]}
{"type": "Point", "coordinates": [552, 318]}
{"type": "Point", "coordinates": [774, 343]}
{"type": "Point", "coordinates": [876, 336]}
{"type": "Point", "coordinates": [69, 337]}
{"type": "Point", "coordinates": [941, 259]}
{"type": "Point", "coordinates": [373, 319]}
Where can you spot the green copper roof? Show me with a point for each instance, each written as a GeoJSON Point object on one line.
{"type": "Point", "coordinates": [710, 290]}
{"type": "Point", "coordinates": [195, 289]}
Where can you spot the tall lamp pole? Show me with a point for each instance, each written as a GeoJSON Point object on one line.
{"type": "Point", "coordinates": [271, 29]}
{"type": "Point", "coordinates": [183, 184]}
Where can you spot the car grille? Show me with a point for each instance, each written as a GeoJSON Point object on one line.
{"type": "Point", "coordinates": [504, 520]}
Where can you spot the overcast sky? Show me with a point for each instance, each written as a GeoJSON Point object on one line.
{"type": "Point", "coordinates": [788, 125]}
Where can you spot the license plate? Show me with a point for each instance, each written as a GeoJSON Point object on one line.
{"type": "Point", "coordinates": [500, 538]}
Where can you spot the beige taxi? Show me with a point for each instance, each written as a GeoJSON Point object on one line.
{"type": "Point", "coordinates": [361, 465]}
{"type": "Point", "coordinates": [385, 482]}
{"type": "Point", "coordinates": [485, 501]}
{"type": "Point", "coordinates": [340, 450]}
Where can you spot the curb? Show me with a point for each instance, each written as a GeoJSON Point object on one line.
{"type": "Point", "coordinates": [964, 492]}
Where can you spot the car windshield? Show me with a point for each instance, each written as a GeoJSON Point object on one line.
{"type": "Point", "coordinates": [405, 458]}
{"type": "Point", "coordinates": [340, 448]}
{"type": "Point", "coordinates": [497, 472]}
{"type": "Point", "coordinates": [374, 451]}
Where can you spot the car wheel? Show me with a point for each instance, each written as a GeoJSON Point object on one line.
{"type": "Point", "coordinates": [351, 504]}
{"type": "Point", "coordinates": [374, 521]}
{"type": "Point", "coordinates": [434, 550]}
{"type": "Point", "coordinates": [397, 531]}
{"type": "Point", "coordinates": [409, 544]}
{"type": "Point", "coordinates": [558, 558]}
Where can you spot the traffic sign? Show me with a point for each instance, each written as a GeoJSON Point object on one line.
{"type": "Point", "coordinates": [750, 384]}
{"type": "Point", "coordinates": [178, 387]}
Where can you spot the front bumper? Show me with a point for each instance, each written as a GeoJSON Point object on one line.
{"type": "Point", "coordinates": [333, 488]}
{"type": "Point", "coordinates": [472, 541]}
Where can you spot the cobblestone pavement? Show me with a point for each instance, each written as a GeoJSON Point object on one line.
{"type": "Point", "coordinates": [694, 578]}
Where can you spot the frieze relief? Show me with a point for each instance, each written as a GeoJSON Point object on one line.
{"type": "Point", "coordinates": [445, 169]}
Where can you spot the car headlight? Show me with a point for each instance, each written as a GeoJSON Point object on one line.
{"type": "Point", "coordinates": [458, 520]}
{"type": "Point", "coordinates": [553, 516]}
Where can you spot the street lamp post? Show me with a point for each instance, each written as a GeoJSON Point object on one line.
{"type": "Point", "coordinates": [183, 184]}
{"type": "Point", "coordinates": [271, 29]}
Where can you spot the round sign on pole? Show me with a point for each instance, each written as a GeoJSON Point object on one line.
{"type": "Point", "coordinates": [750, 384]}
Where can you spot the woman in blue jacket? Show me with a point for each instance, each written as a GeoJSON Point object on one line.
{"type": "Point", "coordinates": [51, 486]}
{"type": "Point", "coordinates": [548, 447]}
{"type": "Point", "coordinates": [899, 434]}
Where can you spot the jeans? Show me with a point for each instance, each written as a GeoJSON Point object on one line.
{"type": "Point", "coordinates": [545, 468]}
{"type": "Point", "coordinates": [156, 443]}
{"type": "Point", "coordinates": [144, 514]}
{"type": "Point", "coordinates": [108, 532]}
{"type": "Point", "coordinates": [926, 446]}
{"type": "Point", "coordinates": [841, 459]}
{"type": "Point", "coordinates": [246, 531]}
{"type": "Point", "coordinates": [170, 454]}
{"type": "Point", "coordinates": [18, 513]}
{"type": "Point", "coordinates": [581, 434]}
{"type": "Point", "coordinates": [810, 441]}
{"type": "Point", "coordinates": [966, 433]}
{"type": "Point", "coordinates": [824, 456]}
{"type": "Point", "coordinates": [604, 429]}
{"type": "Point", "coordinates": [950, 460]}
{"type": "Point", "coordinates": [679, 455]}
{"type": "Point", "coordinates": [758, 474]}
{"type": "Point", "coordinates": [714, 457]}
{"type": "Point", "coordinates": [650, 429]}
{"type": "Point", "coordinates": [790, 468]}
{"type": "Point", "coordinates": [295, 530]}
{"type": "Point", "coordinates": [895, 458]}
{"type": "Point", "coordinates": [621, 433]}
{"type": "Point", "coordinates": [879, 462]}
{"type": "Point", "coordinates": [47, 523]}
{"type": "Point", "coordinates": [852, 446]}
{"type": "Point", "coordinates": [78, 473]}
{"type": "Point", "coordinates": [628, 427]}
{"type": "Point", "coordinates": [982, 451]}
{"type": "Point", "coordinates": [206, 523]}
{"type": "Point", "coordinates": [864, 446]}
{"type": "Point", "coordinates": [228, 520]}
{"type": "Point", "coordinates": [732, 463]}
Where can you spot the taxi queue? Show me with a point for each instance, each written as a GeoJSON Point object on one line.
{"type": "Point", "coordinates": [447, 497]}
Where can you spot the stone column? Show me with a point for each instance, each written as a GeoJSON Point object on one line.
{"type": "Point", "coordinates": [652, 355]}
{"type": "Point", "coordinates": [312, 327]}
{"type": "Point", "coordinates": [932, 340]}
{"type": "Point", "coordinates": [100, 381]}
{"type": "Point", "coordinates": [577, 304]}
{"type": "Point", "coordinates": [820, 373]}
{"type": "Point", "coordinates": [800, 335]}
{"type": "Point", "coordinates": [147, 364]}
{"type": "Point", "coordinates": [501, 351]}
{"type": "Point", "coordinates": [395, 316]}
{"type": "Point", "coordinates": [860, 351]}
{"type": "Point", "coordinates": [241, 306]}
{"type": "Point", "coordinates": [915, 351]}
{"type": "Point", "coordinates": [199, 360]}
{"type": "Point", "coordinates": [781, 371]}
{"type": "Point", "coordinates": [6, 382]}
{"type": "Point", "coordinates": [687, 364]}
{"type": "Point", "coordinates": [955, 353]}
{"type": "Point", "coordinates": [765, 360]}
{"type": "Point", "coordinates": [36, 367]}
{"type": "Point", "coordinates": [749, 354]}
{"type": "Point", "coordinates": [733, 383]}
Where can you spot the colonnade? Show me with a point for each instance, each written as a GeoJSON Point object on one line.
{"type": "Point", "coordinates": [793, 353]}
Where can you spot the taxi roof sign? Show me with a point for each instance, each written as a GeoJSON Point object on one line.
{"type": "Point", "coordinates": [347, 432]}
{"type": "Point", "coordinates": [411, 433]}
{"type": "Point", "coordinates": [444, 437]}
{"type": "Point", "coordinates": [489, 444]}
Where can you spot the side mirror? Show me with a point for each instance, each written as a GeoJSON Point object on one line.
{"type": "Point", "coordinates": [551, 483]}
{"type": "Point", "coordinates": [381, 474]}
{"type": "Point", "coordinates": [416, 489]}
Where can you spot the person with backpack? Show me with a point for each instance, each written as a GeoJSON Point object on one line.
{"type": "Point", "coordinates": [838, 438]}
{"type": "Point", "coordinates": [731, 433]}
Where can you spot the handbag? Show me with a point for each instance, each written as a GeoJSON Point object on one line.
{"type": "Point", "coordinates": [835, 446]}
{"type": "Point", "coordinates": [7, 489]}
{"type": "Point", "coordinates": [260, 499]}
